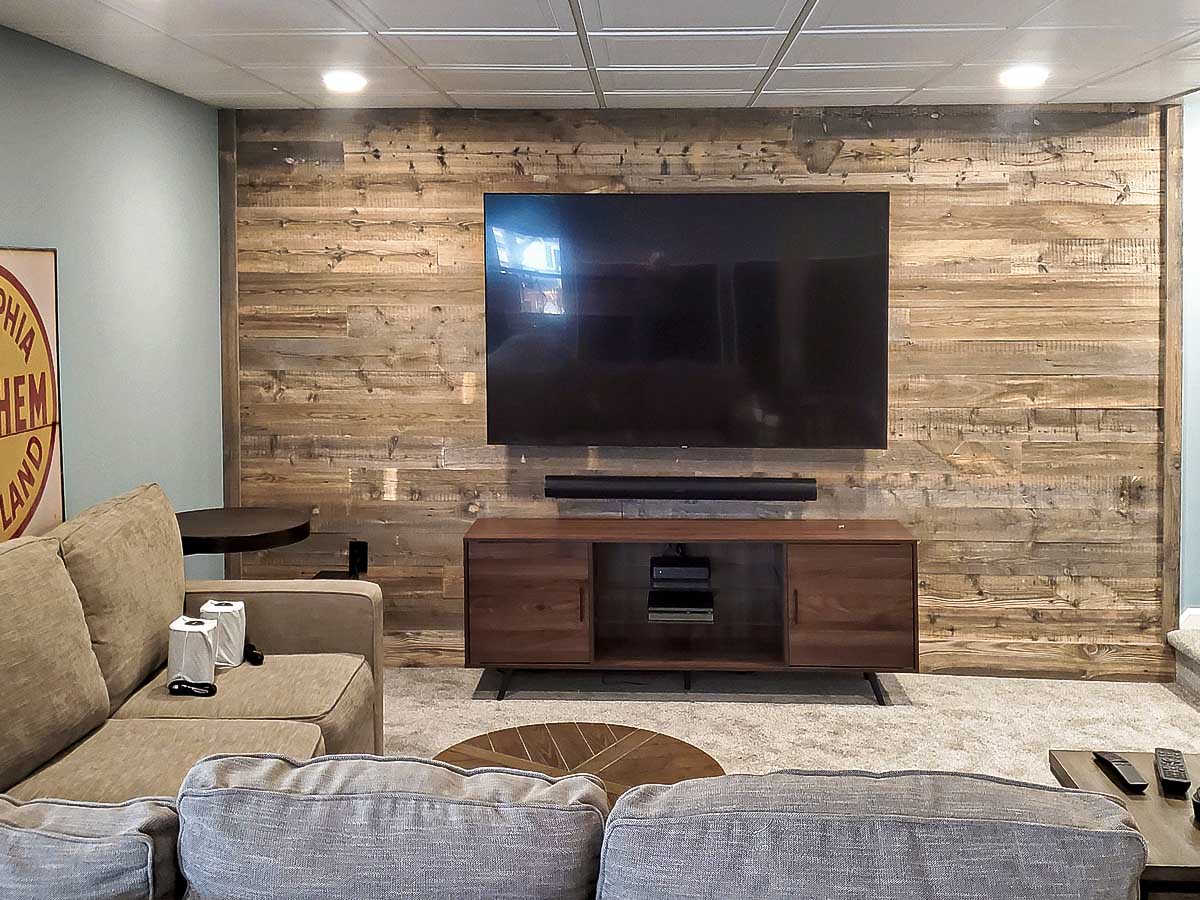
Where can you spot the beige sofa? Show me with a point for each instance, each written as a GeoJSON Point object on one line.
{"type": "Point", "coordinates": [84, 615]}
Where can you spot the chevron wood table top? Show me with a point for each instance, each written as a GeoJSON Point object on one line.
{"type": "Point", "coordinates": [621, 756]}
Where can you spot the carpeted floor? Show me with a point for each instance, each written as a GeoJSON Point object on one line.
{"type": "Point", "coordinates": [999, 726]}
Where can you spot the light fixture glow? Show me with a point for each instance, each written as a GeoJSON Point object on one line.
{"type": "Point", "coordinates": [341, 81]}
{"type": "Point", "coordinates": [1024, 77]}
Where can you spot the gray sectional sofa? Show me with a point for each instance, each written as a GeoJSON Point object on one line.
{"type": "Point", "coordinates": [83, 698]}
{"type": "Point", "coordinates": [264, 827]}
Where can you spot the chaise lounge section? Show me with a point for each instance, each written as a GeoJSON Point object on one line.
{"type": "Point", "coordinates": [82, 661]}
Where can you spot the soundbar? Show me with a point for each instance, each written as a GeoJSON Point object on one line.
{"type": "Point", "coordinates": [642, 487]}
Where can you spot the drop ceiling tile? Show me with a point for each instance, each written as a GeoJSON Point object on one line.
{"type": "Point", "coordinates": [977, 96]}
{"type": "Point", "coordinates": [868, 78]}
{"type": "Point", "coordinates": [1062, 77]}
{"type": "Point", "coordinates": [678, 99]}
{"type": "Point", "coordinates": [918, 13]}
{"type": "Point", "coordinates": [252, 101]}
{"type": "Point", "coordinates": [307, 79]}
{"type": "Point", "coordinates": [327, 50]}
{"type": "Point", "coordinates": [725, 48]}
{"type": "Point", "coordinates": [42, 17]}
{"type": "Point", "coordinates": [666, 79]}
{"type": "Point", "coordinates": [466, 14]}
{"type": "Point", "coordinates": [523, 100]}
{"type": "Point", "coordinates": [914, 48]}
{"type": "Point", "coordinates": [667, 14]}
{"type": "Point", "coordinates": [406, 100]}
{"type": "Point", "coordinates": [1120, 13]}
{"type": "Point", "coordinates": [180, 17]}
{"type": "Point", "coordinates": [830, 98]}
{"type": "Point", "coordinates": [1091, 49]}
{"type": "Point", "coordinates": [523, 49]}
{"type": "Point", "coordinates": [1153, 81]}
{"type": "Point", "coordinates": [506, 80]}
{"type": "Point", "coordinates": [1104, 92]}
{"type": "Point", "coordinates": [164, 61]}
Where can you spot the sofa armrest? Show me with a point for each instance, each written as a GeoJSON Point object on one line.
{"type": "Point", "coordinates": [308, 616]}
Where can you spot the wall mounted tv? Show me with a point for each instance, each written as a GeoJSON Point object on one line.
{"type": "Point", "coordinates": [699, 320]}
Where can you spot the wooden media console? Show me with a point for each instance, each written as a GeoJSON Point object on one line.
{"type": "Point", "coordinates": [786, 594]}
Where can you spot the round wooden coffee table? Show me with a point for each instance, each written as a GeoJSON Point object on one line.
{"type": "Point", "coordinates": [621, 756]}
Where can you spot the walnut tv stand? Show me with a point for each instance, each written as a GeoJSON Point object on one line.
{"type": "Point", "coordinates": [787, 594]}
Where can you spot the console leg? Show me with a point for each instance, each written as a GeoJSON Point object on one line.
{"type": "Point", "coordinates": [505, 677]}
{"type": "Point", "coordinates": [687, 681]}
{"type": "Point", "coordinates": [876, 687]}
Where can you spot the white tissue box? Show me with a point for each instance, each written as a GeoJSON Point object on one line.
{"type": "Point", "coordinates": [192, 651]}
{"type": "Point", "coordinates": [230, 616]}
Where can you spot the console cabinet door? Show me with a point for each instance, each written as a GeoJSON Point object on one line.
{"type": "Point", "coordinates": [528, 603]}
{"type": "Point", "coordinates": [851, 605]}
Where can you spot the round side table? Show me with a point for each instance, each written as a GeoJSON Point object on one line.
{"type": "Point", "coordinates": [241, 529]}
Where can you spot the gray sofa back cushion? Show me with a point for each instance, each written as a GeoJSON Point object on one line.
{"type": "Point", "coordinates": [899, 836]}
{"type": "Point", "coordinates": [87, 851]}
{"type": "Point", "coordinates": [372, 828]}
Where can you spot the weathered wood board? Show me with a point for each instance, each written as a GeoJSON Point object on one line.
{"type": "Point", "coordinates": [1027, 354]}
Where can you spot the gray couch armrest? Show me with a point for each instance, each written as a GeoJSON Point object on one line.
{"type": "Point", "coordinates": [308, 616]}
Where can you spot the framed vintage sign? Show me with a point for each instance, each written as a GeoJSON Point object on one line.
{"type": "Point", "coordinates": [31, 488]}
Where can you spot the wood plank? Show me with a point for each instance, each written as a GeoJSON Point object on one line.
{"type": "Point", "coordinates": [1126, 661]}
{"type": "Point", "coordinates": [1172, 373]}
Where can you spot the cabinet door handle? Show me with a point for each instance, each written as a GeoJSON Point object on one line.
{"type": "Point", "coordinates": [581, 590]}
{"type": "Point", "coordinates": [795, 606]}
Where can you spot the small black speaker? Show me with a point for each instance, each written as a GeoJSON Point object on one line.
{"type": "Point", "coordinates": [643, 487]}
{"type": "Point", "coordinates": [358, 558]}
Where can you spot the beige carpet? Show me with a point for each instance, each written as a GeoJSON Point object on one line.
{"type": "Point", "coordinates": [999, 726]}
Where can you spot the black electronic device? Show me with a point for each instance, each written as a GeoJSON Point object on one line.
{"type": "Point", "coordinates": [680, 588]}
{"type": "Point", "coordinates": [679, 568]}
{"type": "Point", "coordinates": [253, 655]}
{"type": "Point", "coordinates": [697, 487]}
{"type": "Point", "coordinates": [182, 688]}
{"type": "Point", "coordinates": [1196, 806]}
{"type": "Point", "coordinates": [705, 319]}
{"type": "Point", "coordinates": [1171, 769]}
{"type": "Point", "coordinates": [1121, 771]}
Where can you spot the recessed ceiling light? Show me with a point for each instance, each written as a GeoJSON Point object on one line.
{"type": "Point", "coordinates": [341, 81]}
{"type": "Point", "coordinates": [1024, 77]}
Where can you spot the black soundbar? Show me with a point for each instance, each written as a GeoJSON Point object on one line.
{"type": "Point", "coordinates": [641, 487]}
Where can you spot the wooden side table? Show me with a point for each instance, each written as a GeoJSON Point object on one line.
{"type": "Point", "coordinates": [241, 529]}
{"type": "Point", "coordinates": [1165, 821]}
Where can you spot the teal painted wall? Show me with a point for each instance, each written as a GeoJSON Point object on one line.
{"type": "Point", "coordinates": [121, 177]}
{"type": "Point", "coordinates": [1190, 538]}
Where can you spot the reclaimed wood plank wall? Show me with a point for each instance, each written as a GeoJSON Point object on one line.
{"type": "Point", "coordinates": [1027, 353]}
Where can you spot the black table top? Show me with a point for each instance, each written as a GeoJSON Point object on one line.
{"type": "Point", "coordinates": [241, 529]}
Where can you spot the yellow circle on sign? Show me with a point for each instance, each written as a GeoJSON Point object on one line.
{"type": "Point", "coordinates": [28, 406]}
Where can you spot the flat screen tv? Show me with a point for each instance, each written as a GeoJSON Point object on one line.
{"type": "Point", "coordinates": [696, 320]}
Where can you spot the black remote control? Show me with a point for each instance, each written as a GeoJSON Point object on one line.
{"type": "Point", "coordinates": [1122, 771]}
{"type": "Point", "coordinates": [1172, 771]}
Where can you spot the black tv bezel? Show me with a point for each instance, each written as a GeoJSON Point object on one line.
{"type": "Point", "coordinates": [886, 367]}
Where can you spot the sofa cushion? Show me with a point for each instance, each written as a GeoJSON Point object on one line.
{"type": "Point", "coordinates": [334, 691]}
{"type": "Point", "coordinates": [130, 758]}
{"type": "Point", "coordinates": [902, 835]}
{"type": "Point", "coordinates": [87, 851]}
{"type": "Point", "coordinates": [126, 559]}
{"type": "Point", "coordinates": [51, 689]}
{"type": "Point", "coordinates": [370, 828]}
